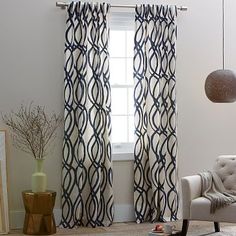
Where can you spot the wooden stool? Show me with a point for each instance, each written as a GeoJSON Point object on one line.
{"type": "Point", "coordinates": [39, 218]}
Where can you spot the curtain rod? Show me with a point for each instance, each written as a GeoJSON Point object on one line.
{"type": "Point", "coordinates": [63, 5]}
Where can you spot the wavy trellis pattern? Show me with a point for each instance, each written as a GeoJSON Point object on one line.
{"type": "Point", "coordinates": [155, 184]}
{"type": "Point", "coordinates": [87, 195]}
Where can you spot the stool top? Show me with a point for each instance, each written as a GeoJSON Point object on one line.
{"type": "Point", "coordinates": [29, 192]}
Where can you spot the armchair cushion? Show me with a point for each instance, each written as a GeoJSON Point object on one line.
{"type": "Point", "coordinates": [200, 210]}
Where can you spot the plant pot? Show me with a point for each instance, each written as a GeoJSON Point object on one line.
{"type": "Point", "coordinates": [39, 179]}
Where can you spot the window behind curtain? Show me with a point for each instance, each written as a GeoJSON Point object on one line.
{"type": "Point", "coordinates": [121, 80]}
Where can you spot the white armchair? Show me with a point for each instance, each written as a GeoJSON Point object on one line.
{"type": "Point", "coordinates": [196, 207]}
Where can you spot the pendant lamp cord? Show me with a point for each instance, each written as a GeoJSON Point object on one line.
{"type": "Point", "coordinates": [223, 33]}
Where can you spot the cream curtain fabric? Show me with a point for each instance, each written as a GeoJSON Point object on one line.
{"type": "Point", "coordinates": [87, 195]}
{"type": "Point", "coordinates": [155, 154]}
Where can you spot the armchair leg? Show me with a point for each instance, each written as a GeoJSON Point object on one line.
{"type": "Point", "coordinates": [185, 227]}
{"type": "Point", "coordinates": [217, 226]}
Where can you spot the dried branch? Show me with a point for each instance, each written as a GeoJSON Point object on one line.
{"type": "Point", "coordinates": [32, 129]}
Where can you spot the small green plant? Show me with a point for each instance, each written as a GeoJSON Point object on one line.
{"type": "Point", "coordinates": [32, 129]}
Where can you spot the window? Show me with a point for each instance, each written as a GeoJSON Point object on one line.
{"type": "Point", "coordinates": [122, 85]}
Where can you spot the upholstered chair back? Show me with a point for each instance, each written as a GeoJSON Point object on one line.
{"type": "Point", "coordinates": [225, 167]}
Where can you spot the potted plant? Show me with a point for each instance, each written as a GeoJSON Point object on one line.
{"type": "Point", "coordinates": [33, 130]}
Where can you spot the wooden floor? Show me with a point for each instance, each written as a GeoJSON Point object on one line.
{"type": "Point", "coordinates": [133, 229]}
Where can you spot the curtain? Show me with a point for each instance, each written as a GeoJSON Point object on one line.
{"type": "Point", "coordinates": [155, 170]}
{"type": "Point", "coordinates": [87, 195]}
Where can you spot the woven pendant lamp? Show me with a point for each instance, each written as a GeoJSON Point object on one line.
{"type": "Point", "coordinates": [220, 85]}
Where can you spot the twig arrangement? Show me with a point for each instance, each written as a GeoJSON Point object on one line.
{"type": "Point", "coordinates": [32, 129]}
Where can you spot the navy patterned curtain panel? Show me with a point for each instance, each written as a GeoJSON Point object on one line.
{"type": "Point", "coordinates": [87, 195]}
{"type": "Point", "coordinates": [155, 190]}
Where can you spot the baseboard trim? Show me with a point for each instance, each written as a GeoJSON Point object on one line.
{"type": "Point", "coordinates": [123, 213]}
{"type": "Point", "coordinates": [16, 219]}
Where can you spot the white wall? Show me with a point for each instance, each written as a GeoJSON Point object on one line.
{"type": "Point", "coordinates": [31, 68]}
{"type": "Point", "coordinates": [230, 34]}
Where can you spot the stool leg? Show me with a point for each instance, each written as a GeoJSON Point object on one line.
{"type": "Point", "coordinates": [217, 226]}
{"type": "Point", "coordinates": [185, 227]}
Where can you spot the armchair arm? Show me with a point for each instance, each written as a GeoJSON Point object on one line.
{"type": "Point", "coordinates": [191, 189]}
